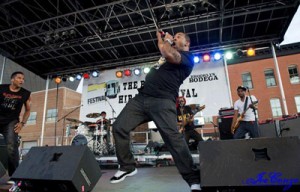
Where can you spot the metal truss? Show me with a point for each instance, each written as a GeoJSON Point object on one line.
{"type": "Point", "coordinates": [114, 33]}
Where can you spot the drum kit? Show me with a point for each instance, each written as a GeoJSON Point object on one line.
{"type": "Point", "coordinates": [96, 135]}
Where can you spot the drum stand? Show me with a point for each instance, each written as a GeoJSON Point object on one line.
{"type": "Point", "coordinates": [109, 144]}
{"type": "Point", "coordinates": [99, 145]}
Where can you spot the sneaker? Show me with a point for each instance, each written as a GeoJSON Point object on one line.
{"type": "Point", "coordinates": [195, 188]}
{"type": "Point", "coordinates": [121, 175]}
{"type": "Point", "coordinates": [10, 182]}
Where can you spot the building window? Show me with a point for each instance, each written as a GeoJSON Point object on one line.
{"type": "Point", "coordinates": [270, 78]}
{"type": "Point", "coordinates": [51, 114]}
{"type": "Point", "coordinates": [32, 118]}
{"type": "Point", "coordinates": [293, 72]}
{"type": "Point", "coordinates": [297, 101]}
{"type": "Point", "coordinates": [247, 80]}
{"type": "Point", "coordinates": [276, 107]}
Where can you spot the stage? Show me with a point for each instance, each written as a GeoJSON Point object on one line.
{"type": "Point", "coordinates": [148, 179]}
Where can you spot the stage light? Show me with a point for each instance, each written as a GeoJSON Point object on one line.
{"type": "Point", "coordinates": [78, 77]}
{"type": "Point", "coordinates": [95, 74]}
{"type": "Point", "coordinates": [71, 78]}
{"type": "Point", "coordinates": [217, 56]}
{"type": "Point", "coordinates": [228, 55]}
{"type": "Point", "coordinates": [192, 7]}
{"type": "Point", "coordinates": [64, 79]}
{"type": "Point", "coordinates": [206, 58]}
{"type": "Point", "coordinates": [86, 75]}
{"type": "Point", "coordinates": [181, 9]}
{"type": "Point", "coordinates": [137, 71]}
{"type": "Point", "coordinates": [250, 52]}
{"type": "Point", "coordinates": [127, 72]}
{"type": "Point", "coordinates": [57, 80]}
{"type": "Point", "coordinates": [196, 59]}
{"type": "Point", "coordinates": [146, 70]}
{"type": "Point", "coordinates": [239, 52]}
{"type": "Point", "coordinates": [119, 74]}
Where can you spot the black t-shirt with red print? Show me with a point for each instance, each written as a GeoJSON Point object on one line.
{"type": "Point", "coordinates": [11, 103]}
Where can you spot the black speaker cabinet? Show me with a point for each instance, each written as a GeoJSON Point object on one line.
{"type": "Point", "coordinates": [2, 170]}
{"type": "Point", "coordinates": [251, 164]}
{"type": "Point", "coordinates": [3, 152]}
{"type": "Point", "coordinates": [267, 130]}
{"type": "Point", "coordinates": [290, 127]}
{"type": "Point", "coordinates": [58, 169]}
{"type": "Point", "coordinates": [225, 127]}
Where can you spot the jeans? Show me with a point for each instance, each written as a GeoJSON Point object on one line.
{"type": "Point", "coordinates": [246, 127]}
{"type": "Point", "coordinates": [11, 139]}
{"type": "Point", "coordinates": [192, 134]}
{"type": "Point", "coordinates": [141, 109]}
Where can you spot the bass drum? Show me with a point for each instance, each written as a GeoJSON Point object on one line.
{"type": "Point", "coordinates": [81, 140]}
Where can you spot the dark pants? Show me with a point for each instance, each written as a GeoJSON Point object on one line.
{"type": "Point", "coordinates": [246, 127]}
{"type": "Point", "coordinates": [142, 109]}
{"type": "Point", "coordinates": [188, 134]}
{"type": "Point", "coordinates": [11, 139]}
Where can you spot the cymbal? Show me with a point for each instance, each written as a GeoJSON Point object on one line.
{"type": "Point", "coordinates": [88, 123]}
{"type": "Point", "coordinates": [74, 127]}
{"type": "Point", "coordinates": [93, 115]}
{"type": "Point", "coordinates": [73, 120]}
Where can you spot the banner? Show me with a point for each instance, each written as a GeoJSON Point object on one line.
{"type": "Point", "coordinates": [206, 85]}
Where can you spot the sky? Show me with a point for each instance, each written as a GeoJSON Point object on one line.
{"type": "Point", "coordinates": [292, 35]}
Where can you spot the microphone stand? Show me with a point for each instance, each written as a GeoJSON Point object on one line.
{"type": "Point", "coordinates": [64, 122]}
{"type": "Point", "coordinates": [113, 111]}
{"type": "Point", "coordinates": [109, 142]}
{"type": "Point", "coordinates": [254, 111]}
{"type": "Point", "coordinates": [215, 132]}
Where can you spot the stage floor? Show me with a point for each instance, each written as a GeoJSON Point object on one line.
{"type": "Point", "coordinates": [148, 179]}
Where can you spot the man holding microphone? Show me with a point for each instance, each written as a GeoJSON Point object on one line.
{"type": "Point", "coordinates": [156, 102]}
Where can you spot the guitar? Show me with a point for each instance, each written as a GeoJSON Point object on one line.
{"type": "Point", "coordinates": [240, 118]}
{"type": "Point", "coordinates": [187, 118]}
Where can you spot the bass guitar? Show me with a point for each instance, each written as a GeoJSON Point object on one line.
{"type": "Point", "coordinates": [241, 118]}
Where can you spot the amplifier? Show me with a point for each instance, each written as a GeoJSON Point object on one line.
{"type": "Point", "coordinates": [226, 112]}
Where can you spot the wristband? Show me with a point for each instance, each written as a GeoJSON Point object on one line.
{"type": "Point", "coordinates": [22, 123]}
{"type": "Point", "coordinates": [169, 41]}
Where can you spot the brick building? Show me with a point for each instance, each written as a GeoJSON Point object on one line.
{"type": "Point", "coordinates": [68, 100]}
{"type": "Point", "coordinates": [261, 78]}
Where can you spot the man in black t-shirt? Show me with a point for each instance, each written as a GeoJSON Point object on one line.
{"type": "Point", "coordinates": [185, 118]}
{"type": "Point", "coordinates": [12, 99]}
{"type": "Point", "coordinates": [156, 102]}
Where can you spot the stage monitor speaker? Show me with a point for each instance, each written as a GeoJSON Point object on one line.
{"type": "Point", "coordinates": [3, 152]}
{"type": "Point", "coordinates": [251, 164]}
{"type": "Point", "coordinates": [225, 127]}
{"type": "Point", "coordinates": [58, 169]}
{"type": "Point", "coordinates": [267, 130]}
{"type": "Point", "coordinates": [290, 127]}
{"type": "Point", "coordinates": [2, 170]}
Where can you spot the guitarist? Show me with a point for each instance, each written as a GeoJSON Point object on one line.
{"type": "Point", "coordinates": [244, 106]}
{"type": "Point", "coordinates": [185, 119]}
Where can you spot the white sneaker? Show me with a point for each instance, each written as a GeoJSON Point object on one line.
{"type": "Point", "coordinates": [195, 187]}
{"type": "Point", "coordinates": [10, 182]}
{"type": "Point", "coordinates": [121, 175]}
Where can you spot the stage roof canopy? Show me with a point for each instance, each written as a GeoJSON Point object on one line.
{"type": "Point", "coordinates": [69, 36]}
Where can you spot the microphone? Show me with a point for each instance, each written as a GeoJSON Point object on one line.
{"type": "Point", "coordinates": [163, 34]}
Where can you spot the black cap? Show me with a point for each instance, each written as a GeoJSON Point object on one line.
{"type": "Point", "coordinates": [103, 112]}
{"type": "Point", "coordinates": [241, 87]}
